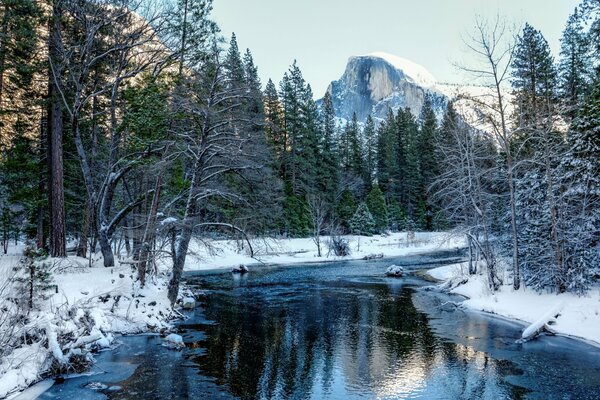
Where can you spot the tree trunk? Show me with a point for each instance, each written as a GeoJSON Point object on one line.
{"type": "Point", "coordinates": [513, 227]}
{"type": "Point", "coordinates": [182, 241]}
{"type": "Point", "coordinates": [84, 237]}
{"type": "Point", "coordinates": [58, 242]}
{"type": "Point", "coordinates": [150, 231]}
{"type": "Point", "coordinates": [104, 241]}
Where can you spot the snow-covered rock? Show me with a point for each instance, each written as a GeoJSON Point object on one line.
{"type": "Point", "coordinates": [395, 271]}
{"type": "Point", "coordinates": [173, 341]}
{"type": "Point", "coordinates": [189, 303]}
{"type": "Point", "coordinates": [240, 269]}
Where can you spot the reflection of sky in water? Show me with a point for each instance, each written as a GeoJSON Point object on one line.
{"type": "Point", "coordinates": [307, 333]}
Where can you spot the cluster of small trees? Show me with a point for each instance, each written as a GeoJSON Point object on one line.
{"type": "Point", "coordinates": [527, 180]}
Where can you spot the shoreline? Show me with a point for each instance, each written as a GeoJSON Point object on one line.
{"type": "Point", "coordinates": [524, 323]}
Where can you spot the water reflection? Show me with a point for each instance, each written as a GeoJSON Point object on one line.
{"type": "Point", "coordinates": [356, 340]}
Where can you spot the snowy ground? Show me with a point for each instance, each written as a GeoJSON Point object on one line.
{"type": "Point", "coordinates": [579, 316]}
{"type": "Point", "coordinates": [224, 254]}
{"type": "Point", "coordinates": [89, 305]}
{"type": "Point", "coordinates": [83, 311]}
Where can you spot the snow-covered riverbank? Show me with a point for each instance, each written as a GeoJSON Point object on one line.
{"type": "Point", "coordinates": [81, 311]}
{"type": "Point", "coordinates": [224, 254]}
{"type": "Point", "coordinates": [579, 315]}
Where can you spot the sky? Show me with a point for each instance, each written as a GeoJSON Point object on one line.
{"type": "Point", "coordinates": [322, 34]}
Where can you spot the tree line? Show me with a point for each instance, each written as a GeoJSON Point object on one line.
{"type": "Point", "coordinates": [132, 128]}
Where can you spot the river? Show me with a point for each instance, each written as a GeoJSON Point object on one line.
{"type": "Point", "coordinates": [338, 331]}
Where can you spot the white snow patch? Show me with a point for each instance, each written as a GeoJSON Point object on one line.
{"type": "Point", "coordinates": [394, 270]}
{"type": "Point", "coordinates": [227, 254]}
{"type": "Point", "coordinates": [579, 316]}
{"type": "Point", "coordinates": [417, 73]}
{"type": "Point", "coordinates": [173, 341]}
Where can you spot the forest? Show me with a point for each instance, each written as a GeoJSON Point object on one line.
{"type": "Point", "coordinates": [133, 128]}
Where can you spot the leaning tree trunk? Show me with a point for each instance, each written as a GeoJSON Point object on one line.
{"type": "Point", "coordinates": [58, 243]}
{"type": "Point", "coordinates": [182, 240]}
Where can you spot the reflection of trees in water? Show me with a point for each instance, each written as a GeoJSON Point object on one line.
{"type": "Point", "coordinates": [288, 346]}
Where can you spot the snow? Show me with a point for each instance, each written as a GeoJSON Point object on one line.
{"type": "Point", "coordinates": [394, 270]}
{"type": "Point", "coordinates": [173, 341]}
{"type": "Point", "coordinates": [538, 325]}
{"type": "Point", "coordinates": [579, 315]}
{"type": "Point", "coordinates": [417, 73]}
{"type": "Point", "coordinates": [89, 305]}
{"type": "Point", "coordinates": [227, 254]}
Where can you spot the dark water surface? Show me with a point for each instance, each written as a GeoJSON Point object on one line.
{"type": "Point", "coordinates": [338, 331]}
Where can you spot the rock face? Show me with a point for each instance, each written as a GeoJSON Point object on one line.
{"type": "Point", "coordinates": [374, 83]}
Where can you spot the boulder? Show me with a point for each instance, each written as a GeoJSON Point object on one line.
{"type": "Point", "coordinates": [189, 303]}
{"type": "Point", "coordinates": [240, 269]}
{"type": "Point", "coordinates": [173, 341]}
{"type": "Point", "coordinates": [394, 271]}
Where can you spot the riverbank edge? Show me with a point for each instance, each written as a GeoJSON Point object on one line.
{"type": "Point", "coordinates": [426, 274]}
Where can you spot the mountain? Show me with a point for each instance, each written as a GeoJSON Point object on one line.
{"type": "Point", "coordinates": [374, 83]}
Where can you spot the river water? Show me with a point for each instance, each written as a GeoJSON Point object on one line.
{"type": "Point", "coordinates": [338, 331]}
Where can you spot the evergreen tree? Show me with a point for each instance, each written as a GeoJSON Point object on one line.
{"type": "Point", "coordinates": [355, 163]}
{"type": "Point", "coordinates": [376, 203]}
{"type": "Point", "coordinates": [427, 163]}
{"type": "Point", "coordinates": [396, 215]}
{"type": "Point", "coordinates": [575, 63]}
{"type": "Point", "coordinates": [412, 180]}
{"type": "Point", "coordinates": [580, 178]}
{"type": "Point", "coordinates": [534, 80]}
{"type": "Point", "coordinates": [274, 129]}
{"type": "Point", "coordinates": [370, 154]}
{"type": "Point", "coordinates": [328, 163]}
{"type": "Point", "coordinates": [362, 222]}
{"type": "Point", "coordinates": [386, 155]}
{"type": "Point", "coordinates": [346, 208]}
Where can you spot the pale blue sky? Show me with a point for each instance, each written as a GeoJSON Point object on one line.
{"type": "Point", "coordinates": [322, 34]}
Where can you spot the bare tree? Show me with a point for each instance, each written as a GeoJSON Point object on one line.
{"type": "Point", "coordinates": [464, 187]}
{"type": "Point", "coordinates": [317, 208]}
{"type": "Point", "coordinates": [213, 148]}
{"type": "Point", "coordinates": [493, 43]}
{"type": "Point", "coordinates": [115, 36]}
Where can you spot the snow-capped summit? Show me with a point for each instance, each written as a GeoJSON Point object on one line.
{"type": "Point", "coordinates": [412, 70]}
{"type": "Point", "coordinates": [374, 83]}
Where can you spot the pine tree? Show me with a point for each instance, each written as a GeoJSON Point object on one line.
{"type": "Point", "coordinates": [580, 176]}
{"type": "Point", "coordinates": [362, 222]}
{"type": "Point", "coordinates": [355, 157]}
{"type": "Point", "coordinates": [370, 154]}
{"type": "Point", "coordinates": [346, 208]}
{"type": "Point", "coordinates": [428, 164]}
{"type": "Point", "coordinates": [376, 203]}
{"type": "Point", "coordinates": [575, 64]}
{"type": "Point", "coordinates": [412, 177]}
{"type": "Point", "coordinates": [234, 67]}
{"type": "Point", "coordinates": [396, 215]}
{"type": "Point", "coordinates": [386, 155]}
{"type": "Point", "coordinates": [328, 163]}
{"type": "Point", "coordinates": [534, 83]}
{"type": "Point", "coordinates": [534, 80]}
{"type": "Point", "coordinates": [274, 129]}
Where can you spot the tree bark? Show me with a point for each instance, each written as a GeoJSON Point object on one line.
{"type": "Point", "coordinates": [58, 243]}
{"type": "Point", "coordinates": [84, 237]}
